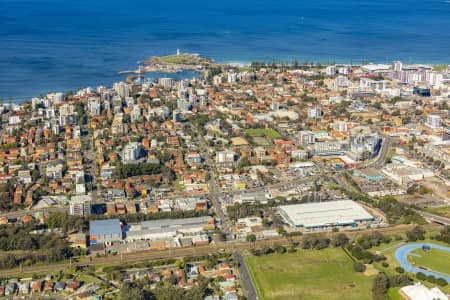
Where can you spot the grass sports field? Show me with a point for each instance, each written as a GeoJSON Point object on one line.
{"type": "Point", "coordinates": [308, 274]}
{"type": "Point", "coordinates": [435, 259]}
{"type": "Point", "coordinates": [267, 132]}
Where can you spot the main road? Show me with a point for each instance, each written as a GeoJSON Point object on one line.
{"type": "Point", "coordinates": [380, 160]}
{"type": "Point", "coordinates": [434, 218]}
{"type": "Point", "coordinates": [245, 276]}
{"type": "Point", "coordinates": [214, 195]}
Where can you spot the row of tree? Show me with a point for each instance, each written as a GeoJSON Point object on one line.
{"type": "Point", "coordinates": [372, 239]}
{"type": "Point", "coordinates": [51, 255]}
{"type": "Point", "coordinates": [444, 235]}
{"type": "Point", "coordinates": [382, 282]}
{"type": "Point", "coordinates": [397, 212]}
{"type": "Point", "coordinates": [366, 256]}
{"type": "Point", "coordinates": [431, 279]}
{"type": "Point", "coordinates": [19, 238]}
{"type": "Point", "coordinates": [166, 290]}
{"type": "Point", "coordinates": [129, 170]}
{"type": "Point", "coordinates": [242, 210]}
{"type": "Point", "coordinates": [139, 217]}
{"type": "Point", "coordinates": [67, 223]}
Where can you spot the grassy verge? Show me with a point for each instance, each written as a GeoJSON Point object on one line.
{"type": "Point", "coordinates": [439, 68]}
{"type": "Point", "coordinates": [393, 294]}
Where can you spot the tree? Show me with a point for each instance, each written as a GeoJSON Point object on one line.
{"type": "Point", "coordinates": [168, 291]}
{"type": "Point", "coordinates": [251, 238]}
{"type": "Point", "coordinates": [399, 280]}
{"type": "Point", "coordinates": [281, 231]}
{"type": "Point", "coordinates": [431, 279]}
{"type": "Point", "coordinates": [421, 276]}
{"type": "Point", "coordinates": [441, 282]}
{"type": "Point", "coordinates": [280, 249]}
{"type": "Point", "coordinates": [380, 286]}
{"type": "Point", "coordinates": [244, 162]}
{"type": "Point", "coordinates": [179, 264]}
{"type": "Point", "coordinates": [444, 235]}
{"type": "Point", "coordinates": [130, 292]}
{"type": "Point", "coordinates": [133, 193]}
{"type": "Point", "coordinates": [35, 175]}
{"type": "Point", "coordinates": [211, 261]}
{"type": "Point", "coordinates": [417, 233]}
{"type": "Point", "coordinates": [359, 267]}
{"type": "Point", "coordinates": [340, 240]}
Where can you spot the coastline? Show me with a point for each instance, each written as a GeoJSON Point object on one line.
{"type": "Point", "coordinates": [158, 73]}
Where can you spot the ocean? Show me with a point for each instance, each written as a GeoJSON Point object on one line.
{"type": "Point", "coordinates": [59, 45]}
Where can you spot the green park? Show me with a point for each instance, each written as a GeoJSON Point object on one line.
{"type": "Point", "coordinates": [308, 274]}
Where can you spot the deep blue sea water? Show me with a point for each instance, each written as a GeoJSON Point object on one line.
{"type": "Point", "coordinates": [56, 45]}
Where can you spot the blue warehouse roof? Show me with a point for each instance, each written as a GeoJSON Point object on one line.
{"type": "Point", "coordinates": [102, 227]}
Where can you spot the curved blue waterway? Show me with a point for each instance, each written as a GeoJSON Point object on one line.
{"type": "Point", "coordinates": [401, 255]}
{"type": "Point", "coordinates": [64, 44]}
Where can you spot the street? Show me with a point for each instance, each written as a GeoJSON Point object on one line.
{"type": "Point", "coordinates": [245, 277]}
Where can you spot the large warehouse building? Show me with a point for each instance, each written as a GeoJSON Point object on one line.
{"type": "Point", "coordinates": [162, 229]}
{"type": "Point", "coordinates": [325, 214]}
{"type": "Point", "coordinates": [102, 231]}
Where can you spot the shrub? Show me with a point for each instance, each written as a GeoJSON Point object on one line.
{"type": "Point", "coordinates": [441, 281]}
{"type": "Point", "coordinates": [291, 250]}
{"type": "Point", "coordinates": [421, 276]}
{"type": "Point", "coordinates": [431, 279]}
{"type": "Point", "coordinates": [378, 258]}
{"type": "Point", "coordinates": [359, 267]}
{"type": "Point", "coordinates": [399, 270]}
{"type": "Point", "coordinates": [385, 264]}
{"type": "Point", "coordinates": [280, 249]}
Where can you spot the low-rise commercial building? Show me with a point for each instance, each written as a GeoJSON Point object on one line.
{"type": "Point", "coordinates": [325, 214]}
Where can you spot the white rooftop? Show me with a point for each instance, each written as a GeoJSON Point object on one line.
{"type": "Point", "coordinates": [321, 214]}
{"type": "Point", "coordinates": [421, 292]}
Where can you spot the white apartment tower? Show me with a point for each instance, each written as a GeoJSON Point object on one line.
{"type": "Point", "coordinates": [397, 66]}
{"type": "Point", "coordinates": [122, 89]}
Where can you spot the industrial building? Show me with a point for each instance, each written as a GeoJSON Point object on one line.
{"type": "Point", "coordinates": [405, 175]}
{"type": "Point", "coordinates": [162, 229]}
{"type": "Point", "coordinates": [251, 197]}
{"type": "Point", "coordinates": [105, 231]}
{"type": "Point", "coordinates": [325, 214]}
